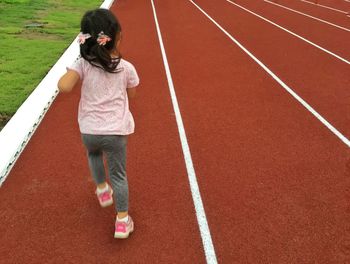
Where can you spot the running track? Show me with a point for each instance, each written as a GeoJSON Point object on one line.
{"type": "Point", "coordinates": [273, 179]}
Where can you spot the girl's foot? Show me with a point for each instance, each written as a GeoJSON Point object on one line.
{"type": "Point", "coordinates": [105, 196]}
{"type": "Point", "coordinates": [123, 227]}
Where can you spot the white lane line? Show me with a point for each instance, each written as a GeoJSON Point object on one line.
{"type": "Point", "coordinates": [292, 33]}
{"type": "Point", "coordinates": [200, 213]}
{"type": "Point", "coordinates": [303, 14]}
{"type": "Point", "coordinates": [277, 79]}
{"type": "Point", "coordinates": [328, 7]}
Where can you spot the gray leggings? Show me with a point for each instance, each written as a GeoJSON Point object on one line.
{"type": "Point", "coordinates": [114, 148]}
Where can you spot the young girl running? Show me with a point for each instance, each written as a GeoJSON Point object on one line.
{"type": "Point", "coordinates": [108, 82]}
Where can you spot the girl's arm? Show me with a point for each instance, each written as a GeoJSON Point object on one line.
{"type": "Point", "coordinates": [131, 92]}
{"type": "Point", "coordinates": [68, 81]}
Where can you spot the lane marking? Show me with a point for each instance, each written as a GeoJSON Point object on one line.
{"type": "Point", "coordinates": [277, 79]}
{"type": "Point", "coordinates": [292, 33]}
{"type": "Point", "coordinates": [197, 200]}
{"type": "Point", "coordinates": [324, 6]}
{"type": "Point", "coordinates": [315, 18]}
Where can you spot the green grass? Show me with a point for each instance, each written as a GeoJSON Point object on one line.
{"type": "Point", "coordinates": [27, 54]}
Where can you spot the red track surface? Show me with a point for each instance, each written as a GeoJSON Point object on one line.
{"type": "Point", "coordinates": [339, 4]}
{"type": "Point", "coordinates": [273, 179]}
{"type": "Point", "coordinates": [325, 35]}
{"type": "Point", "coordinates": [317, 10]}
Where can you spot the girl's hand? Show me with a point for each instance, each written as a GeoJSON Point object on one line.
{"type": "Point", "coordinates": [68, 81]}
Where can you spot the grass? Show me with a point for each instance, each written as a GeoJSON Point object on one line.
{"type": "Point", "coordinates": [28, 53]}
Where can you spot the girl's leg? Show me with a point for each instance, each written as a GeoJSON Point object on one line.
{"type": "Point", "coordinates": [115, 149]}
{"type": "Point", "coordinates": [95, 157]}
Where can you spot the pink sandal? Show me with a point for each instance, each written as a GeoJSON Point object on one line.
{"type": "Point", "coordinates": [105, 198]}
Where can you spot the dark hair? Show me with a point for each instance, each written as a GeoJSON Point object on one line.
{"type": "Point", "coordinates": [93, 23]}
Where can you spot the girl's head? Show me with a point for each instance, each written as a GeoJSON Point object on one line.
{"type": "Point", "coordinates": [99, 39]}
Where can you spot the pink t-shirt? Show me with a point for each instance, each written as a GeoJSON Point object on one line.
{"type": "Point", "coordinates": [104, 105]}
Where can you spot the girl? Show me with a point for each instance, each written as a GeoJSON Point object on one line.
{"type": "Point", "coordinates": [108, 81]}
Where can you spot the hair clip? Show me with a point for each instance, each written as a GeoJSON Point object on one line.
{"type": "Point", "coordinates": [82, 37]}
{"type": "Point", "coordinates": [103, 38]}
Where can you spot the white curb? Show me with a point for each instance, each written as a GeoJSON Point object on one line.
{"type": "Point", "coordinates": [18, 131]}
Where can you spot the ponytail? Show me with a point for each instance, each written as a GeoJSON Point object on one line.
{"type": "Point", "coordinates": [99, 32]}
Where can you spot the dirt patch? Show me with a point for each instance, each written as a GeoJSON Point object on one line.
{"type": "Point", "coordinates": [32, 34]}
{"type": "Point", "coordinates": [3, 120]}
